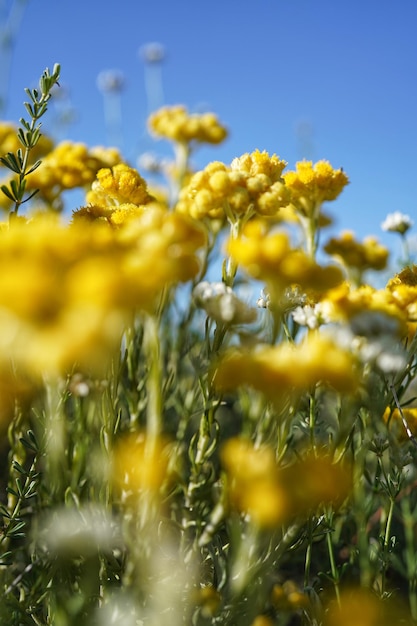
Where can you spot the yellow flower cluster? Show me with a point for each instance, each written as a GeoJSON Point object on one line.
{"type": "Point", "coordinates": [268, 256]}
{"type": "Point", "coordinates": [177, 124]}
{"type": "Point", "coordinates": [272, 495]}
{"type": "Point", "coordinates": [369, 254]}
{"type": "Point", "coordinates": [344, 303]}
{"type": "Point", "coordinates": [67, 292]}
{"type": "Point", "coordinates": [67, 166]}
{"type": "Point", "coordinates": [276, 370]}
{"type": "Point", "coordinates": [311, 185]}
{"type": "Point", "coordinates": [252, 184]}
{"type": "Point", "coordinates": [120, 184]}
{"type": "Point", "coordinates": [403, 288]}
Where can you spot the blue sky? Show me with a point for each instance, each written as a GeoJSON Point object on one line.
{"type": "Point", "coordinates": [300, 78]}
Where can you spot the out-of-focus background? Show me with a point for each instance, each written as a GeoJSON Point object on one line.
{"type": "Point", "coordinates": [300, 78]}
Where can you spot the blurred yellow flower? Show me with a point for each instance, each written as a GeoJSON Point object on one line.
{"type": "Point", "coordinates": [287, 368]}
{"type": "Point", "coordinates": [271, 495]}
{"type": "Point", "coordinates": [345, 303]}
{"type": "Point", "coordinates": [358, 256]}
{"type": "Point", "coordinates": [268, 256]}
{"type": "Point", "coordinates": [177, 124]}
{"type": "Point", "coordinates": [362, 607]}
{"type": "Point", "coordinates": [138, 466]}
{"type": "Point", "coordinates": [67, 166]}
{"type": "Point", "coordinates": [253, 482]}
{"type": "Point", "coordinates": [67, 292]}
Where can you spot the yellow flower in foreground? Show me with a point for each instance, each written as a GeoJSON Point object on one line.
{"type": "Point", "coordinates": [177, 124]}
{"type": "Point", "coordinates": [253, 482]}
{"type": "Point", "coordinates": [311, 185]}
{"type": "Point", "coordinates": [271, 495]}
{"type": "Point", "coordinates": [138, 465]}
{"type": "Point", "coordinates": [268, 256]}
{"type": "Point", "coordinates": [67, 292]}
{"type": "Point", "coordinates": [361, 607]}
{"type": "Point", "coordinates": [252, 184]}
{"type": "Point", "coordinates": [286, 368]}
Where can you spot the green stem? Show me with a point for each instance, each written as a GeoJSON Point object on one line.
{"type": "Point", "coordinates": [385, 547]}
{"type": "Point", "coordinates": [333, 568]}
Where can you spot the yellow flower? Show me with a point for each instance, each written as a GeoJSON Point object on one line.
{"type": "Point", "coordinates": [271, 495]}
{"type": "Point", "coordinates": [362, 607]}
{"type": "Point", "coordinates": [67, 292]}
{"type": "Point", "coordinates": [138, 466]}
{"type": "Point", "coordinates": [315, 480]}
{"type": "Point", "coordinates": [268, 256]}
{"type": "Point", "coordinates": [67, 166]}
{"type": "Point", "coordinates": [176, 124]}
{"type": "Point", "coordinates": [345, 303]}
{"type": "Point", "coordinates": [311, 185]}
{"type": "Point", "coordinates": [286, 368]}
{"type": "Point", "coordinates": [119, 185]}
{"type": "Point", "coordinates": [252, 184]}
{"type": "Point", "coordinates": [403, 289]}
{"type": "Point", "coordinates": [9, 142]}
{"type": "Point", "coordinates": [253, 482]}
{"type": "Point", "coordinates": [369, 254]}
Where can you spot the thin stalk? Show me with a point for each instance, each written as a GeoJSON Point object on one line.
{"type": "Point", "coordinates": [385, 546]}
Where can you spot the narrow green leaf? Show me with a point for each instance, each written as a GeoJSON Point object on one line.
{"type": "Point", "coordinates": [34, 167]}
{"type": "Point", "coordinates": [29, 108]}
{"type": "Point", "coordinates": [11, 162]}
{"type": "Point", "coordinates": [7, 193]}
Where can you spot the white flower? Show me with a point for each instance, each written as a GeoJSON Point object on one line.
{"type": "Point", "coordinates": [264, 300]}
{"type": "Point", "coordinates": [311, 316]}
{"type": "Point", "coordinates": [222, 304]}
{"type": "Point", "coordinates": [397, 222]}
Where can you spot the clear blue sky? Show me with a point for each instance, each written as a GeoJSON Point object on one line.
{"type": "Point", "coordinates": [300, 78]}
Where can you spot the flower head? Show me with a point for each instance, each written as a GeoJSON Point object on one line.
{"type": "Point", "coordinates": [252, 184]}
{"type": "Point", "coordinates": [119, 185]}
{"type": "Point", "coordinates": [397, 222]}
{"type": "Point", "coordinates": [222, 304]}
{"type": "Point", "coordinates": [311, 185]}
{"type": "Point", "coordinates": [268, 256]}
{"type": "Point", "coordinates": [176, 124]}
{"type": "Point", "coordinates": [285, 369]}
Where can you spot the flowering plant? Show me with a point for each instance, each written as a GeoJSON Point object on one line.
{"type": "Point", "coordinates": [170, 450]}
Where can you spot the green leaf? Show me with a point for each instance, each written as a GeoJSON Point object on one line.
{"type": "Point", "coordinates": [16, 465]}
{"type": "Point", "coordinates": [34, 167]}
{"type": "Point", "coordinates": [7, 193]}
{"type": "Point", "coordinates": [10, 160]}
{"type": "Point", "coordinates": [30, 109]}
